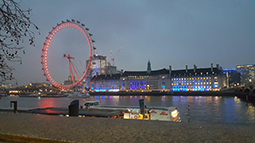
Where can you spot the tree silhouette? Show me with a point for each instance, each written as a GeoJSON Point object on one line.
{"type": "Point", "coordinates": [15, 29]}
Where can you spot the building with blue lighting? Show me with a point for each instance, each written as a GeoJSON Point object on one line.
{"type": "Point", "coordinates": [105, 83]}
{"type": "Point", "coordinates": [196, 79]}
{"type": "Point", "coordinates": [202, 79]}
{"type": "Point", "coordinates": [142, 80]}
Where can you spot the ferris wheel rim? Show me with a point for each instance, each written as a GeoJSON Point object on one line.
{"type": "Point", "coordinates": [46, 46]}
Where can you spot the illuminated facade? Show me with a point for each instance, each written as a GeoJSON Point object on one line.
{"type": "Point", "coordinates": [105, 83]}
{"type": "Point", "coordinates": [247, 73]}
{"type": "Point", "coordinates": [141, 80]}
{"type": "Point", "coordinates": [203, 79]}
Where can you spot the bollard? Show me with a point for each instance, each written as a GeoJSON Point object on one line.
{"type": "Point", "coordinates": [74, 108]}
{"type": "Point", "coordinates": [142, 106]}
{"type": "Point", "coordinates": [15, 106]}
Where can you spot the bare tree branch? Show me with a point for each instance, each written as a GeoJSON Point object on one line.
{"type": "Point", "coordinates": [15, 27]}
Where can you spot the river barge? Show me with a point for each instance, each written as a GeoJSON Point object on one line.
{"type": "Point", "coordinates": [134, 112]}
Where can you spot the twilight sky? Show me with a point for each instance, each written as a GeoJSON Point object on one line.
{"type": "Point", "coordinates": [166, 32]}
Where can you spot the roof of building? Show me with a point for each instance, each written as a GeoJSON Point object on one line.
{"type": "Point", "coordinates": [215, 70]}
{"type": "Point", "coordinates": [174, 73]}
{"type": "Point", "coordinates": [106, 77]}
{"type": "Point", "coordinates": [142, 73]}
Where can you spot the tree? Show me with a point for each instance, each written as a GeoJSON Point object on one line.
{"type": "Point", "coordinates": [15, 28]}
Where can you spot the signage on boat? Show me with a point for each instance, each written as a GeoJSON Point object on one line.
{"type": "Point", "coordinates": [153, 111]}
{"type": "Point", "coordinates": [163, 113]}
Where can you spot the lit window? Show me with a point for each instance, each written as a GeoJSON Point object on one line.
{"type": "Point", "coordinates": [198, 83]}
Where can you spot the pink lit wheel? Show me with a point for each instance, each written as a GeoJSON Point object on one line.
{"type": "Point", "coordinates": [67, 54]}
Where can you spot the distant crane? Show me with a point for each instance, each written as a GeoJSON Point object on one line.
{"type": "Point", "coordinates": [112, 58]}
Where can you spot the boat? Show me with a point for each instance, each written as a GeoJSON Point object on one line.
{"type": "Point", "coordinates": [89, 104]}
{"type": "Point", "coordinates": [134, 112]}
{"type": "Point", "coordinates": [78, 95]}
{"type": "Point", "coordinates": [33, 94]}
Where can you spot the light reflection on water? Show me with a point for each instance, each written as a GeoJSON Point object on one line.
{"type": "Point", "coordinates": [208, 109]}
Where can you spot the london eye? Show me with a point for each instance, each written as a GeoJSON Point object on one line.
{"type": "Point", "coordinates": [67, 54]}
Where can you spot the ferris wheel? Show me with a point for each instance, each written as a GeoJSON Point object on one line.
{"type": "Point", "coordinates": [66, 50]}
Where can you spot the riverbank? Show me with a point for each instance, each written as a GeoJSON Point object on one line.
{"type": "Point", "coordinates": [165, 93]}
{"type": "Point", "coordinates": [77, 129]}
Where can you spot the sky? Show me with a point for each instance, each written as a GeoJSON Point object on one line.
{"type": "Point", "coordinates": [166, 32]}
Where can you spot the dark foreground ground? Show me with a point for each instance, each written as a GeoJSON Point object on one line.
{"type": "Point", "coordinates": [46, 128]}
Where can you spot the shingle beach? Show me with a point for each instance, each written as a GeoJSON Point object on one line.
{"type": "Point", "coordinates": [79, 129]}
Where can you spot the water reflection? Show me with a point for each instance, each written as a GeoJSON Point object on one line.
{"type": "Point", "coordinates": [115, 100]}
{"type": "Point", "coordinates": [46, 102]}
{"type": "Point", "coordinates": [251, 112]}
{"type": "Point", "coordinates": [208, 109]}
{"type": "Point", "coordinates": [163, 98]}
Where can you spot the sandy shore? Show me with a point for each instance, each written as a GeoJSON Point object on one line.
{"type": "Point", "coordinates": [96, 130]}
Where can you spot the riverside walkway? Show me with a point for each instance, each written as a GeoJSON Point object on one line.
{"type": "Point", "coordinates": [88, 129]}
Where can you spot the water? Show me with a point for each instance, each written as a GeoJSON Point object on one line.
{"type": "Point", "coordinates": [210, 109]}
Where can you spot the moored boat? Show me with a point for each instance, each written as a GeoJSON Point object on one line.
{"type": "Point", "coordinates": [134, 112]}
{"type": "Point", "coordinates": [78, 95]}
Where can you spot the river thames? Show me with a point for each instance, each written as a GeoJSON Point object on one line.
{"type": "Point", "coordinates": [206, 109]}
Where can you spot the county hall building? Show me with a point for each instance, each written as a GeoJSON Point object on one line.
{"type": "Point", "coordinates": [195, 79]}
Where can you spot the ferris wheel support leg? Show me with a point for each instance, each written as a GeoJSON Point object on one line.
{"type": "Point", "coordinates": [75, 71]}
{"type": "Point", "coordinates": [70, 66]}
